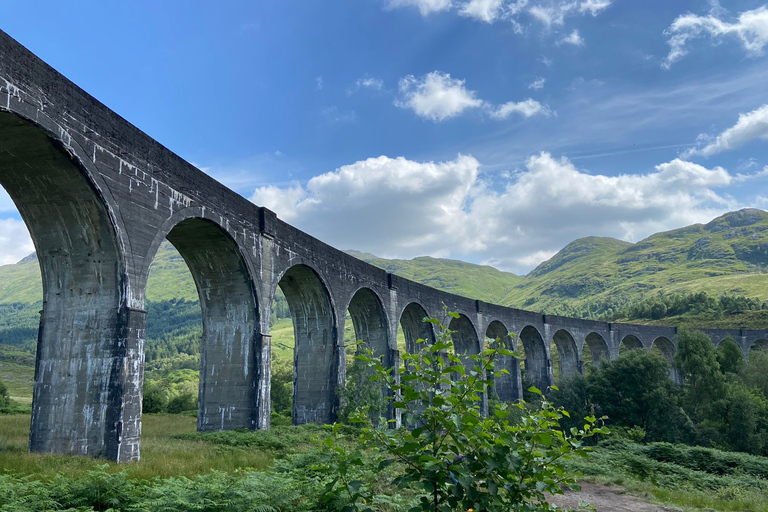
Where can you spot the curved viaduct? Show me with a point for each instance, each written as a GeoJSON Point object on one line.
{"type": "Point", "coordinates": [99, 196]}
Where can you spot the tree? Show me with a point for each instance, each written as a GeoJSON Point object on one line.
{"type": "Point", "coordinates": [729, 356]}
{"type": "Point", "coordinates": [5, 399]}
{"type": "Point", "coordinates": [446, 448]}
{"type": "Point", "coordinates": [635, 391]}
{"type": "Point", "coordinates": [704, 383]}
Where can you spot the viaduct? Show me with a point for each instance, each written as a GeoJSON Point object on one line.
{"type": "Point", "coordinates": [99, 196]}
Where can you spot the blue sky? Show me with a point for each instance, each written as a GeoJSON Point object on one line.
{"type": "Point", "coordinates": [493, 131]}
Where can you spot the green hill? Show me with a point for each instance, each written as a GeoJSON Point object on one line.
{"type": "Point", "coordinates": [454, 276]}
{"type": "Point", "coordinates": [590, 275]}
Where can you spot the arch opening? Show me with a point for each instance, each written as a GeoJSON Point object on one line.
{"type": "Point", "coordinates": [88, 342]}
{"type": "Point", "coordinates": [507, 386]}
{"type": "Point", "coordinates": [665, 348]}
{"type": "Point", "coordinates": [465, 340]}
{"type": "Point", "coordinates": [317, 353]}
{"type": "Point", "coordinates": [630, 342]}
{"type": "Point", "coordinates": [234, 358]}
{"type": "Point", "coordinates": [414, 327]}
{"type": "Point", "coordinates": [595, 349]}
{"type": "Point", "coordinates": [536, 364]}
{"type": "Point", "coordinates": [370, 326]}
{"type": "Point", "coordinates": [567, 362]}
{"type": "Point", "coordinates": [760, 344]}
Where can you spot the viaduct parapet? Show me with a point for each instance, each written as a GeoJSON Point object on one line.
{"type": "Point", "coordinates": [99, 196]}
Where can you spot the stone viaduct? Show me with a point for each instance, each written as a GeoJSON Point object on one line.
{"type": "Point", "coordinates": [99, 196]}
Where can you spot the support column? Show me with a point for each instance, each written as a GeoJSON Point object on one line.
{"type": "Point", "coordinates": [88, 380]}
{"type": "Point", "coordinates": [263, 410]}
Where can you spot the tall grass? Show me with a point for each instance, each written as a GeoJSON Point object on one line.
{"type": "Point", "coordinates": [161, 454]}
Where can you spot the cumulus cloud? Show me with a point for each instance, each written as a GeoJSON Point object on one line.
{"type": "Point", "coordinates": [537, 84]}
{"type": "Point", "coordinates": [425, 7]}
{"type": "Point", "coordinates": [437, 97]}
{"type": "Point", "coordinates": [547, 12]}
{"type": "Point", "coordinates": [555, 13]}
{"type": "Point", "coordinates": [573, 38]}
{"type": "Point", "coordinates": [526, 108]}
{"type": "Point", "coordinates": [750, 126]}
{"type": "Point", "coordinates": [370, 83]}
{"type": "Point", "coordinates": [446, 209]}
{"type": "Point", "coordinates": [750, 29]}
{"type": "Point", "coordinates": [482, 10]}
{"type": "Point", "coordinates": [15, 242]}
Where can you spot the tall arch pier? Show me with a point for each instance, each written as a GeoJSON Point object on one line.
{"type": "Point", "coordinates": [99, 197]}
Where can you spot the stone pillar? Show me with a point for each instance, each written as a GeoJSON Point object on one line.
{"type": "Point", "coordinates": [88, 380]}
{"type": "Point", "coordinates": [263, 411]}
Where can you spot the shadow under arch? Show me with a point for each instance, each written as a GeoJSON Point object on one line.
{"type": "Point", "coordinates": [371, 324]}
{"type": "Point", "coordinates": [316, 355]}
{"type": "Point", "coordinates": [598, 348]}
{"type": "Point", "coordinates": [667, 349]}
{"type": "Point", "coordinates": [630, 342]}
{"type": "Point", "coordinates": [414, 326]}
{"type": "Point", "coordinates": [507, 385]}
{"type": "Point", "coordinates": [568, 354]}
{"type": "Point", "coordinates": [465, 340]}
{"type": "Point", "coordinates": [759, 344]}
{"type": "Point", "coordinates": [87, 391]}
{"type": "Point", "coordinates": [233, 359]}
{"type": "Point", "coordinates": [537, 371]}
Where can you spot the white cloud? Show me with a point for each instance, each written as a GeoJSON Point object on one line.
{"type": "Point", "coordinates": [437, 97]}
{"type": "Point", "coordinates": [426, 7]}
{"type": "Point", "coordinates": [319, 82]}
{"type": "Point", "coordinates": [370, 83]}
{"type": "Point", "coordinates": [446, 209]}
{"type": "Point", "coordinates": [15, 242]}
{"type": "Point", "coordinates": [547, 12]}
{"type": "Point", "coordinates": [482, 10]}
{"type": "Point", "coordinates": [594, 7]}
{"type": "Point", "coordinates": [751, 29]}
{"type": "Point", "coordinates": [555, 13]}
{"type": "Point", "coordinates": [573, 38]}
{"type": "Point", "coordinates": [526, 108]}
{"type": "Point", "coordinates": [750, 126]}
{"type": "Point", "coordinates": [537, 84]}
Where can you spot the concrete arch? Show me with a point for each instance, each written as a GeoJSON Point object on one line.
{"type": "Point", "coordinates": [759, 344]}
{"type": "Point", "coordinates": [507, 385]}
{"type": "Point", "coordinates": [537, 368]}
{"type": "Point", "coordinates": [371, 323]}
{"type": "Point", "coordinates": [668, 350]}
{"type": "Point", "coordinates": [568, 354]}
{"type": "Point", "coordinates": [630, 342]}
{"type": "Point", "coordinates": [85, 317]}
{"type": "Point", "coordinates": [414, 326]}
{"type": "Point", "coordinates": [666, 347]}
{"type": "Point", "coordinates": [598, 347]}
{"type": "Point", "coordinates": [465, 340]}
{"type": "Point", "coordinates": [234, 361]}
{"type": "Point", "coordinates": [317, 355]}
{"type": "Point", "coordinates": [202, 214]}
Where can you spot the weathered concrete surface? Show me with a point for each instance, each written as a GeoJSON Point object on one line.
{"type": "Point", "coordinates": [99, 197]}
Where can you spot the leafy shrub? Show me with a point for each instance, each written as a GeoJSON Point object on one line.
{"type": "Point", "coordinates": [447, 451]}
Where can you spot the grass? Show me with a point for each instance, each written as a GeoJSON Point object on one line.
{"type": "Point", "coordinates": [689, 478]}
{"type": "Point", "coordinates": [693, 479]}
{"type": "Point", "coordinates": [17, 370]}
{"type": "Point", "coordinates": [162, 454]}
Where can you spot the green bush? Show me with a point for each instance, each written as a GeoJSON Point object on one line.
{"type": "Point", "coordinates": [447, 450]}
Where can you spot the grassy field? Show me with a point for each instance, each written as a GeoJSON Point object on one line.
{"type": "Point", "coordinates": [161, 454]}
{"type": "Point", "coordinates": [697, 479]}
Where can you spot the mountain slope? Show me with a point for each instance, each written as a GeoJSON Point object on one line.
{"type": "Point", "coordinates": [727, 255]}
{"type": "Point", "coordinates": [454, 276]}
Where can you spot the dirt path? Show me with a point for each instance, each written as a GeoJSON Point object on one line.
{"type": "Point", "coordinates": [607, 499]}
